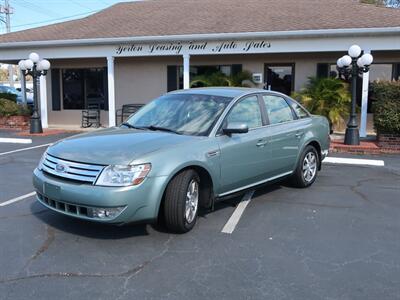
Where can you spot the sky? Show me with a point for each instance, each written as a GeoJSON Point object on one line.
{"type": "Point", "coordinates": [34, 13]}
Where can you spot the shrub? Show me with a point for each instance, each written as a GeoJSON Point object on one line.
{"type": "Point", "coordinates": [8, 96]}
{"type": "Point", "coordinates": [329, 97]}
{"type": "Point", "coordinates": [387, 106]}
{"type": "Point", "coordinates": [241, 79]}
{"type": "Point", "coordinates": [9, 108]}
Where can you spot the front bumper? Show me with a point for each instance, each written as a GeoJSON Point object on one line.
{"type": "Point", "coordinates": [139, 203]}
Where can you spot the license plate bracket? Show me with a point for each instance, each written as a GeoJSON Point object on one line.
{"type": "Point", "coordinates": [52, 191]}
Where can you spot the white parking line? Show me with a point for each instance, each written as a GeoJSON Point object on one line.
{"type": "Point", "coordinates": [234, 219]}
{"type": "Point", "coordinates": [354, 161]}
{"type": "Point", "coordinates": [15, 141]}
{"type": "Point", "coordinates": [17, 199]}
{"type": "Point", "coordinates": [24, 149]}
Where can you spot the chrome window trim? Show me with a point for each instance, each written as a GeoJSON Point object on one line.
{"type": "Point", "coordinates": [214, 131]}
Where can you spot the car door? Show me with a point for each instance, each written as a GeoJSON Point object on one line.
{"type": "Point", "coordinates": [283, 135]}
{"type": "Point", "coordinates": [243, 157]}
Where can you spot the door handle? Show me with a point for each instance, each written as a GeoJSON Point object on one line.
{"type": "Point", "coordinates": [299, 134]}
{"type": "Point", "coordinates": [261, 143]}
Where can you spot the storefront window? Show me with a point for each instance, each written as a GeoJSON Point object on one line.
{"type": "Point", "coordinates": [279, 78]}
{"type": "Point", "coordinates": [175, 73]}
{"type": "Point", "coordinates": [84, 87]}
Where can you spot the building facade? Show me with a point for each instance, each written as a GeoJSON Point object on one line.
{"type": "Point", "coordinates": [134, 52]}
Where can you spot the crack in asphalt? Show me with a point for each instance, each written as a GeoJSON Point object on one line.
{"type": "Point", "coordinates": [129, 273]}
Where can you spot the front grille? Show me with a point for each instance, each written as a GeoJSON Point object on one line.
{"type": "Point", "coordinates": [64, 207]}
{"type": "Point", "coordinates": [70, 170]}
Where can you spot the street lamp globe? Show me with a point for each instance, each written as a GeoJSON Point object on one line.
{"type": "Point", "coordinates": [360, 63]}
{"type": "Point", "coordinates": [339, 63]}
{"type": "Point", "coordinates": [367, 59]}
{"type": "Point", "coordinates": [346, 60]}
{"type": "Point", "coordinates": [28, 64]}
{"type": "Point", "coordinates": [34, 57]}
{"type": "Point", "coordinates": [354, 51]}
{"type": "Point", "coordinates": [21, 65]}
{"type": "Point", "coordinates": [44, 64]}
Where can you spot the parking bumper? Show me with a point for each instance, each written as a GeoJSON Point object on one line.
{"type": "Point", "coordinates": [141, 202]}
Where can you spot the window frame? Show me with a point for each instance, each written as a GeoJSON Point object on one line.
{"type": "Point", "coordinates": [295, 117]}
{"type": "Point", "coordinates": [264, 120]}
{"type": "Point", "coordinates": [84, 86]}
{"type": "Point", "coordinates": [288, 64]}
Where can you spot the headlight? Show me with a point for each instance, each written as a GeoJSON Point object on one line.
{"type": "Point", "coordinates": [123, 175]}
{"type": "Point", "coordinates": [40, 165]}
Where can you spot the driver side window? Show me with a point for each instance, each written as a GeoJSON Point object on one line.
{"type": "Point", "coordinates": [246, 111]}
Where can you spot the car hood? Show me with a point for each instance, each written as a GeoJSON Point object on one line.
{"type": "Point", "coordinates": [114, 146]}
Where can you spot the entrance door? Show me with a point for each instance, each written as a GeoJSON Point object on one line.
{"type": "Point", "coordinates": [279, 78]}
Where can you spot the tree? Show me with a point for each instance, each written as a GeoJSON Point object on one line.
{"type": "Point", "coordinates": [329, 97]}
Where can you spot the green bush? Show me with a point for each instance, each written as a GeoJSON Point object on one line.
{"type": "Point", "coordinates": [386, 106]}
{"type": "Point", "coordinates": [329, 97]}
{"type": "Point", "coordinates": [9, 108]}
{"type": "Point", "coordinates": [241, 79]}
{"type": "Point", "coordinates": [8, 96]}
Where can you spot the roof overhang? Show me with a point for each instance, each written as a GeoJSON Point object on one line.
{"type": "Point", "coordinates": [210, 37]}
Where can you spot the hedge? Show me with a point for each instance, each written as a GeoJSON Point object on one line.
{"type": "Point", "coordinates": [387, 106]}
{"type": "Point", "coordinates": [12, 97]}
{"type": "Point", "coordinates": [9, 108]}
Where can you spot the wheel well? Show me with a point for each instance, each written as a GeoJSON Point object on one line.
{"type": "Point", "coordinates": [317, 146]}
{"type": "Point", "coordinates": [206, 186]}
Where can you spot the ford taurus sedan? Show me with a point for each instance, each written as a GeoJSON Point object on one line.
{"type": "Point", "coordinates": [184, 150]}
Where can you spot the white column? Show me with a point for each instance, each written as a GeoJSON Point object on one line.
{"type": "Point", "coordinates": [186, 71]}
{"type": "Point", "coordinates": [364, 105]}
{"type": "Point", "coordinates": [111, 91]}
{"type": "Point", "coordinates": [43, 101]}
{"type": "Point", "coordinates": [22, 80]}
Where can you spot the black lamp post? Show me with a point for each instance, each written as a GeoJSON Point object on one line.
{"type": "Point", "coordinates": [353, 65]}
{"type": "Point", "coordinates": [35, 68]}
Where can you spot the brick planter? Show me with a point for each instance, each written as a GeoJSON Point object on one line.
{"type": "Point", "coordinates": [389, 140]}
{"type": "Point", "coordinates": [14, 122]}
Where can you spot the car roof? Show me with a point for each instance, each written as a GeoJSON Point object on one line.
{"type": "Point", "coordinates": [231, 92]}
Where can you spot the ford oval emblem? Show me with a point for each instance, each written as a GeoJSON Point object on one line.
{"type": "Point", "coordinates": [61, 168]}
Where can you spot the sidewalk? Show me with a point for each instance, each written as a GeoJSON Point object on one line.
{"type": "Point", "coordinates": [368, 145]}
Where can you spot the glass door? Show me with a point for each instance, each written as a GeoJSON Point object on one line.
{"type": "Point", "coordinates": [279, 78]}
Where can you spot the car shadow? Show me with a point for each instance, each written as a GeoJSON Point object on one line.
{"type": "Point", "coordinates": [86, 228]}
{"type": "Point", "coordinates": [234, 200]}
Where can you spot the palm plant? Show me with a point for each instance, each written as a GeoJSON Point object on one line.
{"type": "Point", "coordinates": [218, 78]}
{"type": "Point", "coordinates": [329, 97]}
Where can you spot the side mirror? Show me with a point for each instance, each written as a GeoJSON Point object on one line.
{"type": "Point", "coordinates": [235, 128]}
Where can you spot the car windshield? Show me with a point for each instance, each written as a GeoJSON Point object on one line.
{"type": "Point", "coordinates": [190, 114]}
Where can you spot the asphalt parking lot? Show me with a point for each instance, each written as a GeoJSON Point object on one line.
{"type": "Point", "coordinates": [339, 239]}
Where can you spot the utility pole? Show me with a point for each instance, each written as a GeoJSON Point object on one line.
{"type": "Point", "coordinates": [7, 10]}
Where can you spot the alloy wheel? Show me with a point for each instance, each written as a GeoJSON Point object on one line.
{"type": "Point", "coordinates": [309, 166]}
{"type": "Point", "coordinates": [192, 201]}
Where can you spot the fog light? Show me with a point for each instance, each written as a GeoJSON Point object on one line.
{"type": "Point", "coordinates": [105, 212]}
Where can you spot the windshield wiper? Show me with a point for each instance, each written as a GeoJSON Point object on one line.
{"type": "Point", "coordinates": [152, 127]}
{"type": "Point", "coordinates": [130, 125]}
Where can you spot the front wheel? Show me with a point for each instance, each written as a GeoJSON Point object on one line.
{"type": "Point", "coordinates": [307, 168]}
{"type": "Point", "coordinates": [182, 201]}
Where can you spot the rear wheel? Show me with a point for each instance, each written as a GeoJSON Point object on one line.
{"type": "Point", "coordinates": [182, 201]}
{"type": "Point", "coordinates": [307, 168]}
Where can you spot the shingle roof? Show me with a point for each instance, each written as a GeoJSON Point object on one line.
{"type": "Point", "coordinates": [179, 17]}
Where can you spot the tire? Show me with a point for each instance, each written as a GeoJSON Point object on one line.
{"type": "Point", "coordinates": [180, 210]}
{"type": "Point", "coordinates": [307, 168]}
